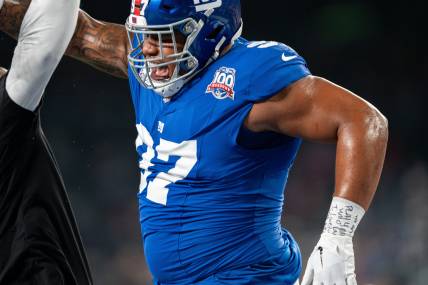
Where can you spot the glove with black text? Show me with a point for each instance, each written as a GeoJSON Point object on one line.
{"type": "Point", "coordinates": [332, 260]}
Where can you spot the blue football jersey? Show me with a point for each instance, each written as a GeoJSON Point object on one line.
{"type": "Point", "coordinates": [211, 192]}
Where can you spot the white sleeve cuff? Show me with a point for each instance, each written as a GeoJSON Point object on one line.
{"type": "Point", "coordinates": [1, 3]}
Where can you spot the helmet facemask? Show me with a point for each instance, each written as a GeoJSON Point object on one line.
{"type": "Point", "coordinates": [185, 64]}
{"type": "Point", "coordinates": [208, 28]}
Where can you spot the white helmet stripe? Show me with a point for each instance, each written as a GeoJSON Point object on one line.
{"type": "Point", "coordinates": [201, 5]}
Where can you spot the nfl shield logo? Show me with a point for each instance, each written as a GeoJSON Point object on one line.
{"type": "Point", "coordinates": [222, 85]}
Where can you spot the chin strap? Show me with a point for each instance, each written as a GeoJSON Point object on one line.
{"type": "Point", "coordinates": [216, 51]}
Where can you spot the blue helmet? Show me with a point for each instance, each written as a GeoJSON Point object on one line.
{"type": "Point", "coordinates": [208, 27]}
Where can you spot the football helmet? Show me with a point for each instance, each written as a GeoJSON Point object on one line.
{"type": "Point", "coordinates": [207, 26]}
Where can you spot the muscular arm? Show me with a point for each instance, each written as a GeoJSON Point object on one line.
{"type": "Point", "coordinates": [11, 15]}
{"type": "Point", "coordinates": [99, 44]}
{"type": "Point", "coordinates": [316, 109]}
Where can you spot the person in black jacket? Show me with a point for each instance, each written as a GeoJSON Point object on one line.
{"type": "Point", "coordinates": [39, 239]}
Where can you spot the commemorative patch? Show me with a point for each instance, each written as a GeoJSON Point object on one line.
{"type": "Point", "coordinates": [223, 83]}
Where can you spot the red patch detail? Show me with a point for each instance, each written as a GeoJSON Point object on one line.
{"type": "Point", "coordinates": [137, 9]}
{"type": "Point", "coordinates": [229, 91]}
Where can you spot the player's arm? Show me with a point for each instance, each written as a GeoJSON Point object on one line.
{"type": "Point", "coordinates": [11, 16]}
{"type": "Point", "coordinates": [316, 109]}
{"type": "Point", "coordinates": [46, 29]}
{"type": "Point", "coordinates": [100, 44]}
{"type": "Point", "coordinates": [3, 71]}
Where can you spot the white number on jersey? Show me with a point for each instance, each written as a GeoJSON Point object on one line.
{"type": "Point", "coordinates": [157, 190]}
{"type": "Point", "coordinates": [262, 44]}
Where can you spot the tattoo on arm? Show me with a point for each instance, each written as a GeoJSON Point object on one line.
{"type": "Point", "coordinates": [11, 15]}
{"type": "Point", "coordinates": [101, 45]}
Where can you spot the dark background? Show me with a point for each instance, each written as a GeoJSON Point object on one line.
{"type": "Point", "coordinates": [376, 50]}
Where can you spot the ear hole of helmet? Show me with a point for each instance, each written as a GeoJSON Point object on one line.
{"type": "Point", "coordinates": [167, 8]}
{"type": "Point", "coordinates": [215, 32]}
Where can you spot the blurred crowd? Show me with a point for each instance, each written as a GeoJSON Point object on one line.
{"type": "Point", "coordinates": [376, 51]}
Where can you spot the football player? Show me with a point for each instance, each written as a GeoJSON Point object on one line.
{"type": "Point", "coordinates": [39, 240]}
{"type": "Point", "coordinates": [220, 120]}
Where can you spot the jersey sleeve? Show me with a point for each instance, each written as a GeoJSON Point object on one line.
{"type": "Point", "coordinates": [46, 30]}
{"type": "Point", "coordinates": [276, 68]}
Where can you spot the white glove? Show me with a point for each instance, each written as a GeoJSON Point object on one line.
{"type": "Point", "coordinates": [331, 262]}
